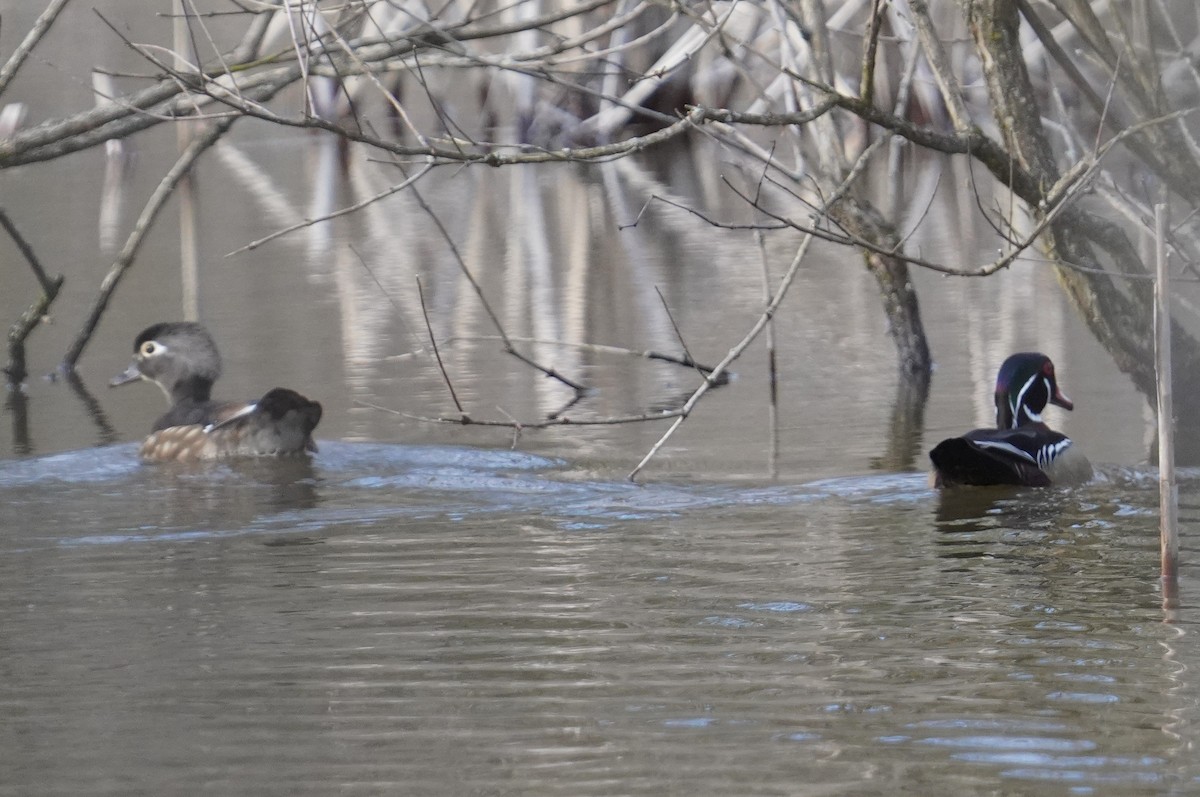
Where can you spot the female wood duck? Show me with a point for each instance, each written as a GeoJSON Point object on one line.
{"type": "Point", "coordinates": [181, 358]}
{"type": "Point", "coordinates": [1022, 449]}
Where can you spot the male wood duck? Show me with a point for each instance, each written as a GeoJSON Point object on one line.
{"type": "Point", "coordinates": [1022, 449]}
{"type": "Point", "coordinates": [181, 358]}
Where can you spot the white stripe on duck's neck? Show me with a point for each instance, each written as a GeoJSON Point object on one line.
{"type": "Point", "coordinates": [1018, 406]}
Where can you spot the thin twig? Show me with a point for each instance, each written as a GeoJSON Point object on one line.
{"type": "Point", "coordinates": [437, 355]}
{"type": "Point", "coordinates": [424, 170]}
{"type": "Point", "coordinates": [772, 373]}
{"type": "Point", "coordinates": [571, 402]}
{"type": "Point", "coordinates": [46, 281]}
{"type": "Point", "coordinates": [616, 420]}
{"type": "Point", "coordinates": [678, 331]}
{"type": "Point", "coordinates": [301, 56]}
{"type": "Point", "coordinates": [648, 354]}
{"type": "Point", "coordinates": [462, 266]}
{"type": "Point", "coordinates": [517, 427]}
{"type": "Point", "coordinates": [40, 27]}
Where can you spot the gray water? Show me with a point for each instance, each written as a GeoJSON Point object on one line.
{"type": "Point", "coordinates": [448, 620]}
{"type": "Point", "coordinates": [431, 608]}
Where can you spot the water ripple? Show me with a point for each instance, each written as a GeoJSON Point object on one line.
{"type": "Point", "coordinates": [440, 621]}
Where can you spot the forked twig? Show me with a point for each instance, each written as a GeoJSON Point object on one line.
{"type": "Point", "coordinates": [682, 413]}
{"type": "Point", "coordinates": [16, 369]}
{"type": "Point", "coordinates": [462, 266]}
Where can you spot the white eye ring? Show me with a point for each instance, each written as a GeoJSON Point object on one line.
{"type": "Point", "coordinates": [150, 348]}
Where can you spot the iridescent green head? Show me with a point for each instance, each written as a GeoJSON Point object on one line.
{"type": "Point", "coordinates": [1024, 386]}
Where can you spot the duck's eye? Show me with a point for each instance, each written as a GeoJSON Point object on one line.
{"type": "Point", "coordinates": [149, 348]}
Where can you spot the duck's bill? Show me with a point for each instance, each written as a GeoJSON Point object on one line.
{"type": "Point", "coordinates": [130, 374]}
{"type": "Point", "coordinates": [1061, 400]}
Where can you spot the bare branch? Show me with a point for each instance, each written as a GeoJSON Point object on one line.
{"type": "Point", "coordinates": [733, 354]}
{"type": "Point", "coordinates": [390, 190]}
{"type": "Point", "coordinates": [16, 371]}
{"type": "Point", "coordinates": [35, 35]}
{"type": "Point", "coordinates": [939, 64]}
{"type": "Point", "coordinates": [438, 355]}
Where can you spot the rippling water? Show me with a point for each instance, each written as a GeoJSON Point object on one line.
{"type": "Point", "coordinates": [434, 620]}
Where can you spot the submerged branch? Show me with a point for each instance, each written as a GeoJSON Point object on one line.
{"type": "Point", "coordinates": [557, 420]}
{"type": "Point", "coordinates": [733, 354]}
{"type": "Point", "coordinates": [17, 370]}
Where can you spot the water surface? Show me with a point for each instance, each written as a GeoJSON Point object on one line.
{"type": "Point", "coordinates": [446, 620]}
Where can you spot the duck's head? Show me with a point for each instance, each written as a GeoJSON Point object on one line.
{"type": "Point", "coordinates": [180, 357]}
{"type": "Point", "coordinates": [1024, 386]}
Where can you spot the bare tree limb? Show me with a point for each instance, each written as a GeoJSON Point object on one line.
{"type": "Point", "coordinates": [35, 35]}
{"type": "Point", "coordinates": [16, 371]}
